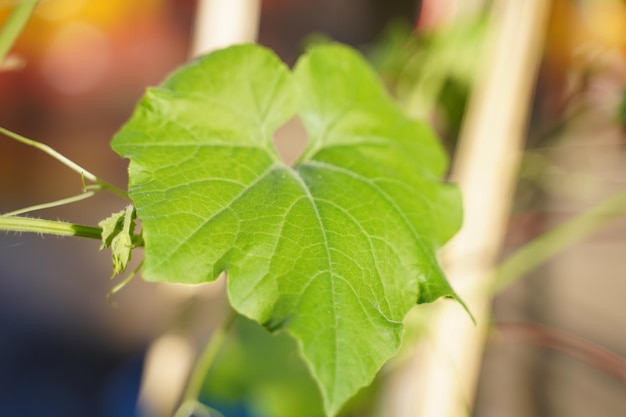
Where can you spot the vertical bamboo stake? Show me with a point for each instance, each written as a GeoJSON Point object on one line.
{"type": "Point", "coordinates": [485, 169]}
{"type": "Point", "coordinates": [218, 24]}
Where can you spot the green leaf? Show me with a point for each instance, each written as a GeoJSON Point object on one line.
{"type": "Point", "coordinates": [263, 372]}
{"type": "Point", "coordinates": [118, 234]}
{"type": "Point", "coordinates": [335, 249]}
{"type": "Point", "coordinates": [111, 226]}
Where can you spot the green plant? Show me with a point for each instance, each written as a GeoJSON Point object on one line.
{"type": "Point", "coordinates": [335, 250]}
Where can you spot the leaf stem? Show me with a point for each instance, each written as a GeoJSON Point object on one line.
{"type": "Point", "coordinates": [14, 25]}
{"type": "Point", "coordinates": [65, 161]}
{"type": "Point", "coordinates": [50, 227]}
{"type": "Point", "coordinates": [196, 380]}
{"type": "Point", "coordinates": [122, 284]}
{"type": "Point", "coordinates": [546, 246]}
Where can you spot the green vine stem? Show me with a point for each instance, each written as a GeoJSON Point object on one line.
{"type": "Point", "coordinates": [51, 204]}
{"type": "Point", "coordinates": [122, 284]}
{"type": "Point", "coordinates": [546, 246]}
{"type": "Point", "coordinates": [50, 227]}
{"type": "Point", "coordinates": [201, 369]}
{"type": "Point", "coordinates": [14, 25]}
{"type": "Point", "coordinates": [65, 161]}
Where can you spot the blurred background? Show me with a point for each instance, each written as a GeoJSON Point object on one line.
{"type": "Point", "coordinates": [73, 79]}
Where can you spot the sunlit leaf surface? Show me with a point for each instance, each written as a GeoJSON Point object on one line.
{"type": "Point", "coordinates": [335, 249]}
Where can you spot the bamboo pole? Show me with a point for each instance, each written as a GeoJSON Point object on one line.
{"type": "Point", "coordinates": [447, 366]}
{"type": "Point", "coordinates": [221, 23]}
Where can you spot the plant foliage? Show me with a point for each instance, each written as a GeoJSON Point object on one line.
{"type": "Point", "coordinates": [335, 249]}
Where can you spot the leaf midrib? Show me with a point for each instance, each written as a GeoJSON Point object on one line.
{"type": "Point", "coordinates": [295, 174]}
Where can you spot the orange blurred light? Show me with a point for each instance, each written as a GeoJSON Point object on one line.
{"type": "Point", "coordinates": [606, 22]}
{"type": "Point", "coordinates": [52, 16]}
{"type": "Point", "coordinates": [73, 45]}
